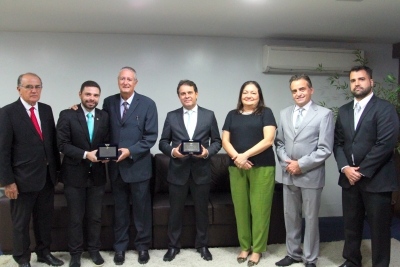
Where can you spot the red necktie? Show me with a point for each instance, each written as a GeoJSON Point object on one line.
{"type": "Point", "coordinates": [35, 122]}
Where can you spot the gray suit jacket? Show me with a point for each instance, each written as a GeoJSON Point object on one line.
{"type": "Point", "coordinates": [174, 132]}
{"type": "Point", "coordinates": [311, 146]}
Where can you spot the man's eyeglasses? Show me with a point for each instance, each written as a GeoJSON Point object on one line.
{"type": "Point", "coordinates": [30, 87]}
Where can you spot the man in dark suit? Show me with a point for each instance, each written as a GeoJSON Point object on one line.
{"type": "Point", "coordinates": [84, 177]}
{"type": "Point", "coordinates": [365, 136]}
{"type": "Point", "coordinates": [193, 172]}
{"type": "Point", "coordinates": [29, 160]}
{"type": "Point", "coordinates": [134, 127]}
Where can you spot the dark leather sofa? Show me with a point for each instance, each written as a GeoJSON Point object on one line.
{"type": "Point", "coordinates": [222, 231]}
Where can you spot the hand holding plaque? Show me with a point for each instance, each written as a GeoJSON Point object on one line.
{"type": "Point", "coordinates": [190, 147]}
{"type": "Point", "coordinates": [107, 151]}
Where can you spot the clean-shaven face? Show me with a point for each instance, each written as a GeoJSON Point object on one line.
{"type": "Point", "coordinates": [126, 83]}
{"type": "Point", "coordinates": [250, 96]}
{"type": "Point", "coordinates": [187, 96]}
{"type": "Point", "coordinates": [301, 92]}
{"type": "Point", "coordinates": [30, 89]}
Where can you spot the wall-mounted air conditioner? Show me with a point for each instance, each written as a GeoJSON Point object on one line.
{"type": "Point", "coordinates": [306, 60]}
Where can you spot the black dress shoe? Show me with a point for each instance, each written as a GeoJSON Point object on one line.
{"type": "Point", "coordinates": [96, 258]}
{"type": "Point", "coordinates": [26, 264]}
{"type": "Point", "coordinates": [50, 260]}
{"type": "Point", "coordinates": [205, 253]}
{"type": "Point", "coordinates": [75, 260]}
{"type": "Point", "coordinates": [348, 264]}
{"type": "Point", "coordinates": [119, 257]}
{"type": "Point", "coordinates": [144, 256]}
{"type": "Point", "coordinates": [310, 264]}
{"type": "Point", "coordinates": [171, 253]}
{"type": "Point", "coordinates": [286, 261]}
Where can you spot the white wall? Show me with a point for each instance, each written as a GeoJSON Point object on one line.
{"type": "Point", "coordinates": [219, 66]}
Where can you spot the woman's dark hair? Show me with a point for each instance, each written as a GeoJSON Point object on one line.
{"type": "Point", "coordinates": [260, 106]}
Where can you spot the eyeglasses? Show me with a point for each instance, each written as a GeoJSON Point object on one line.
{"type": "Point", "coordinates": [30, 87]}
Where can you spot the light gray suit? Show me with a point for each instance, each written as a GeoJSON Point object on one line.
{"type": "Point", "coordinates": [310, 146]}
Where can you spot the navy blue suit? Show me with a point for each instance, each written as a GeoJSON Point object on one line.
{"type": "Point", "coordinates": [130, 178]}
{"type": "Point", "coordinates": [371, 147]}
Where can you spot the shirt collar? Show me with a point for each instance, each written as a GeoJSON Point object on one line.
{"type": "Point", "coordinates": [28, 106]}
{"type": "Point", "coordinates": [305, 107]}
{"type": "Point", "coordinates": [363, 101]}
{"type": "Point", "coordinates": [129, 100]}
{"type": "Point", "coordinates": [193, 109]}
{"type": "Point", "coordinates": [86, 112]}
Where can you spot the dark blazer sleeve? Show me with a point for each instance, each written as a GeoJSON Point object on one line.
{"type": "Point", "coordinates": [64, 133]}
{"type": "Point", "coordinates": [339, 139]}
{"type": "Point", "coordinates": [215, 138]}
{"type": "Point", "coordinates": [6, 141]}
{"type": "Point", "coordinates": [166, 137]}
{"type": "Point", "coordinates": [149, 128]}
{"type": "Point", "coordinates": [383, 126]}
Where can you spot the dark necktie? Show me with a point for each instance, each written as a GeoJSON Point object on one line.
{"type": "Point", "coordinates": [125, 110]}
{"type": "Point", "coordinates": [35, 122]}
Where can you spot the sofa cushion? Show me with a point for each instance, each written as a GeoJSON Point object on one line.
{"type": "Point", "coordinates": [161, 164]}
{"type": "Point", "coordinates": [220, 173]}
{"type": "Point", "coordinates": [223, 211]}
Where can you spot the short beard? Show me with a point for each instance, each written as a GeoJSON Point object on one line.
{"type": "Point", "coordinates": [88, 108]}
{"type": "Point", "coordinates": [363, 93]}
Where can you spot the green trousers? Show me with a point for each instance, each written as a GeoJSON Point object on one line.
{"type": "Point", "coordinates": [252, 191]}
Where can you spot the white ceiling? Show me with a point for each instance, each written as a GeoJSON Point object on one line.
{"type": "Point", "coordinates": [375, 21]}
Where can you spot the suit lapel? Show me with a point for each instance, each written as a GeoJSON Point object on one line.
{"type": "Point", "coordinates": [311, 113]}
{"type": "Point", "coordinates": [25, 117]}
{"type": "Point", "coordinates": [365, 113]}
{"type": "Point", "coordinates": [200, 120]}
{"type": "Point", "coordinates": [179, 118]}
{"type": "Point", "coordinates": [97, 120]}
{"type": "Point", "coordinates": [117, 108]}
{"type": "Point", "coordinates": [350, 116]}
{"type": "Point", "coordinates": [132, 107]}
{"type": "Point", "coordinates": [83, 122]}
{"type": "Point", "coordinates": [289, 118]}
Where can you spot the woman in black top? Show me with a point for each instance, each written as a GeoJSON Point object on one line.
{"type": "Point", "coordinates": [247, 137]}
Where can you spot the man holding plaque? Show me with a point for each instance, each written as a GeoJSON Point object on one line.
{"type": "Point", "coordinates": [79, 132]}
{"type": "Point", "coordinates": [190, 137]}
{"type": "Point", "coordinates": [134, 127]}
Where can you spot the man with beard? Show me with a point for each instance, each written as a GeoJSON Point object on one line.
{"type": "Point", "coordinates": [78, 134]}
{"type": "Point", "coordinates": [366, 134]}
